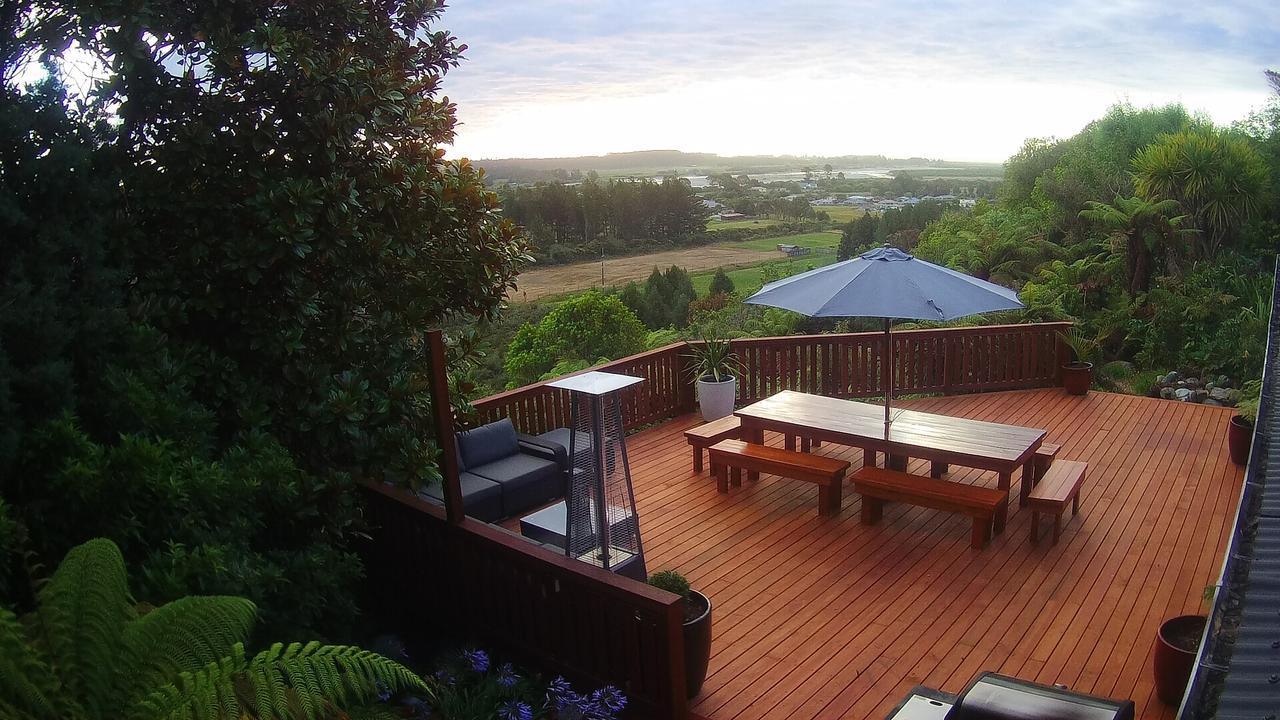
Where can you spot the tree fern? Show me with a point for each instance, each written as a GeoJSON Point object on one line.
{"type": "Point", "coordinates": [281, 683]}
{"type": "Point", "coordinates": [87, 654]}
{"type": "Point", "coordinates": [182, 635]}
{"type": "Point", "coordinates": [83, 611]}
{"type": "Point", "coordinates": [28, 687]}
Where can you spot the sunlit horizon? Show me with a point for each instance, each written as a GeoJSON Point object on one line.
{"type": "Point", "coordinates": [945, 81]}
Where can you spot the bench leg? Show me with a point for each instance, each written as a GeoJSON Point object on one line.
{"type": "Point", "coordinates": [697, 459]}
{"type": "Point", "coordinates": [897, 462]}
{"type": "Point", "coordinates": [737, 477]}
{"type": "Point", "coordinates": [722, 477]}
{"type": "Point", "coordinates": [829, 498]}
{"type": "Point", "coordinates": [1057, 526]}
{"type": "Point", "coordinates": [872, 510]}
{"type": "Point", "coordinates": [1075, 503]}
{"type": "Point", "coordinates": [937, 469]}
{"type": "Point", "coordinates": [1001, 515]}
{"type": "Point", "coordinates": [1041, 467]}
{"type": "Point", "coordinates": [789, 442]}
{"type": "Point", "coordinates": [1035, 526]}
{"type": "Point", "coordinates": [817, 443]}
{"type": "Point", "coordinates": [981, 530]}
{"type": "Point", "coordinates": [869, 457]}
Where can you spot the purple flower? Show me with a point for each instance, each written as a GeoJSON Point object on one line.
{"type": "Point", "coordinates": [609, 698]}
{"type": "Point", "coordinates": [507, 676]}
{"type": "Point", "coordinates": [477, 659]}
{"type": "Point", "coordinates": [557, 691]}
{"type": "Point", "coordinates": [445, 677]}
{"type": "Point", "coordinates": [384, 692]}
{"type": "Point", "coordinates": [515, 710]}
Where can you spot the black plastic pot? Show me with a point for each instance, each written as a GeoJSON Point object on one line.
{"type": "Point", "coordinates": [1239, 439]}
{"type": "Point", "coordinates": [1077, 377]}
{"type": "Point", "coordinates": [697, 643]}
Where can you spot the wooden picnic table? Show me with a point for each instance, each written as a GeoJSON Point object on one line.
{"type": "Point", "coordinates": [940, 439]}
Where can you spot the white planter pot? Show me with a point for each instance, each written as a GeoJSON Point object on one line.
{"type": "Point", "coordinates": [716, 398]}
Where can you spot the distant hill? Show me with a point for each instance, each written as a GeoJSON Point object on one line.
{"type": "Point", "coordinates": [660, 161]}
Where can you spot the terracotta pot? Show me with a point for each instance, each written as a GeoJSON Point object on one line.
{"type": "Point", "coordinates": [1173, 662]}
{"type": "Point", "coordinates": [697, 644]}
{"type": "Point", "coordinates": [1077, 377]}
{"type": "Point", "coordinates": [1239, 439]}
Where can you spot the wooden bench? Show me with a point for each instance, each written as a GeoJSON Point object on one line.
{"type": "Point", "coordinates": [1045, 455]}
{"type": "Point", "coordinates": [827, 473]}
{"type": "Point", "coordinates": [1060, 485]}
{"type": "Point", "coordinates": [987, 507]}
{"type": "Point", "coordinates": [704, 436]}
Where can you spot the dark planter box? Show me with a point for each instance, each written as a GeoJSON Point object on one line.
{"type": "Point", "coordinates": [1077, 377]}
{"type": "Point", "coordinates": [1239, 439]}
{"type": "Point", "coordinates": [697, 643]}
{"type": "Point", "coordinates": [1173, 664]}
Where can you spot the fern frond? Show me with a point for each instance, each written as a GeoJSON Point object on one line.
{"type": "Point", "coordinates": [209, 692]}
{"type": "Point", "coordinates": [28, 687]}
{"type": "Point", "coordinates": [345, 676]}
{"type": "Point", "coordinates": [81, 618]}
{"type": "Point", "coordinates": [182, 636]}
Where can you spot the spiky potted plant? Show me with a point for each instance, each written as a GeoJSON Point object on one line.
{"type": "Point", "coordinates": [1077, 375]}
{"type": "Point", "coordinates": [697, 626]}
{"type": "Point", "coordinates": [714, 369]}
{"type": "Point", "coordinates": [1240, 429]}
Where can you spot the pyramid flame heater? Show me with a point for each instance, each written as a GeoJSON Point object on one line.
{"type": "Point", "coordinates": [601, 526]}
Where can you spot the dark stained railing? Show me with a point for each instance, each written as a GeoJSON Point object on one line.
{"type": "Point", "coordinates": [478, 582]}
{"type": "Point", "coordinates": [945, 360]}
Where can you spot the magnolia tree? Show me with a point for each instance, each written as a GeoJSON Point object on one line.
{"type": "Point", "coordinates": [298, 226]}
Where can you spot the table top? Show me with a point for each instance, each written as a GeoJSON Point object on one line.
{"type": "Point", "coordinates": [859, 421]}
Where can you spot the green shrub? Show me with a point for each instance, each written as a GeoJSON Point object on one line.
{"type": "Point", "coordinates": [671, 581]}
{"type": "Point", "coordinates": [583, 328]}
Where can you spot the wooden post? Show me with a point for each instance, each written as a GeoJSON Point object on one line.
{"type": "Point", "coordinates": [443, 409]}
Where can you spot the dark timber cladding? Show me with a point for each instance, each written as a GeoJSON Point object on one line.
{"type": "Point", "coordinates": [821, 617]}
{"type": "Point", "coordinates": [1238, 671]}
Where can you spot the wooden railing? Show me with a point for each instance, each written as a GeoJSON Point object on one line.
{"type": "Point", "coordinates": [666, 392]}
{"type": "Point", "coordinates": [475, 582]}
{"type": "Point", "coordinates": [946, 360]}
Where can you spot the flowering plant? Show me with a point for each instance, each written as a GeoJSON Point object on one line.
{"type": "Point", "coordinates": [471, 686]}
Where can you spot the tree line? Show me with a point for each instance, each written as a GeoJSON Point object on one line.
{"type": "Point", "coordinates": [564, 221]}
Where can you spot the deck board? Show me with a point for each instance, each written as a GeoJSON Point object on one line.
{"type": "Point", "coordinates": [827, 618]}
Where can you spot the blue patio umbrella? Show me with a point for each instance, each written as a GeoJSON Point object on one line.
{"type": "Point", "coordinates": [886, 283]}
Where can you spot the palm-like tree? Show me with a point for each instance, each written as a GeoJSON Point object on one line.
{"type": "Point", "coordinates": [1217, 178]}
{"type": "Point", "coordinates": [90, 653]}
{"type": "Point", "coordinates": [1145, 227]}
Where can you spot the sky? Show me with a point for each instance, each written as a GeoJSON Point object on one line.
{"type": "Point", "coordinates": [963, 81]}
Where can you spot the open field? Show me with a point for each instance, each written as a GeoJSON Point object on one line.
{"type": "Point", "coordinates": [714, 225]}
{"type": "Point", "coordinates": [840, 213]}
{"type": "Point", "coordinates": [550, 280]}
{"type": "Point", "coordinates": [750, 277]}
{"type": "Point", "coordinates": [745, 259]}
{"type": "Point", "coordinates": [824, 239]}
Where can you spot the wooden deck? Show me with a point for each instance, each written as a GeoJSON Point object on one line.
{"type": "Point", "coordinates": [826, 618]}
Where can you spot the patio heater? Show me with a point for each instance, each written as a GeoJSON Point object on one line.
{"type": "Point", "coordinates": [601, 527]}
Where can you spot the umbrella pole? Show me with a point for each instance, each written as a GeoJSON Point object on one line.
{"type": "Point", "coordinates": [888, 374]}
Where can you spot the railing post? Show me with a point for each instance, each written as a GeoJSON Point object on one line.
{"type": "Point", "coordinates": [443, 409]}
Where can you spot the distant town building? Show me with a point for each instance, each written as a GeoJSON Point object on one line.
{"type": "Point", "coordinates": [710, 204]}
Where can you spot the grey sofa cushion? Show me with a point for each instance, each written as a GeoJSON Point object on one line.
{"type": "Point", "coordinates": [481, 497]}
{"type": "Point", "coordinates": [560, 436]}
{"type": "Point", "coordinates": [526, 481]}
{"type": "Point", "coordinates": [482, 445]}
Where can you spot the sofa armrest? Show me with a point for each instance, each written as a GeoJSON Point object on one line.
{"type": "Point", "coordinates": [543, 449]}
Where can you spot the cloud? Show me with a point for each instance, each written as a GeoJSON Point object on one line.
{"type": "Point", "coordinates": [567, 77]}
